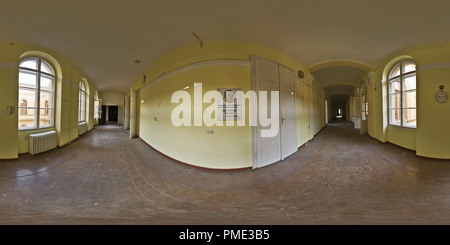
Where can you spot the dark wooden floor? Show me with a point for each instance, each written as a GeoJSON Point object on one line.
{"type": "Point", "coordinates": [341, 177]}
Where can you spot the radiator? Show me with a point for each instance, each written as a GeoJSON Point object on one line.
{"type": "Point", "coordinates": [82, 128]}
{"type": "Point", "coordinates": [42, 142]}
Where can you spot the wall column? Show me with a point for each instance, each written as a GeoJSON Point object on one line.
{"type": "Point", "coordinates": [126, 123]}
{"type": "Point", "coordinates": [133, 113]}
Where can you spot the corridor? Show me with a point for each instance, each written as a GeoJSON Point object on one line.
{"type": "Point", "coordinates": [340, 177]}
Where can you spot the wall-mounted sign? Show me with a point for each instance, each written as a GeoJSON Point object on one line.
{"type": "Point", "coordinates": [228, 107]}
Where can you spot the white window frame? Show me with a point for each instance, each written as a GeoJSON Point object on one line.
{"type": "Point", "coordinates": [82, 102]}
{"type": "Point", "coordinates": [39, 73]}
{"type": "Point", "coordinates": [401, 77]}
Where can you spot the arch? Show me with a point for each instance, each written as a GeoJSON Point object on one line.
{"type": "Point", "coordinates": [23, 103]}
{"type": "Point", "coordinates": [388, 67]}
{"type": "Point", "coordinates": [339, 62]}
{"type": "Point", "coordinates": [52, 60]}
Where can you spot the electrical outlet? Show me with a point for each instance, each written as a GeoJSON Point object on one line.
{"type": "Point", "coordinates": [209, 131]}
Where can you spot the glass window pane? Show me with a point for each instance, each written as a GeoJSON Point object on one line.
{"type": "Point", "coordinates": [27, 79]}
{"type": "Point", "coordinates": [45, 67]}
{"type": "Point", "coordinates": [47, 83]}
{"type": "Point", "coordinates": [394, 86]}
{"type": "Point", "coordinates": [28, 120]}
{"type": "Point", "coordinates": [394, 101]}
{"type": "Point", "coordinates": [410, 99]}
{"type": "Point", "coordinates": [29, 96]}
{"type": "Point", "coordinates": [46, 118]}
{"type": "Point", "coordinates": [395, 117]}
{"type": "Point", "coordinates": [395, 72]}
{"type": "Point", "coordinates": [409, 82]}
{"type": "Point", "coordinates": [81, 115]}
{"type": "Point", "coordinates": [82, 87]}
{"type": "Point", "coordinates": [410, 118]}
{"type": "Point", "coordinates": [46, 100]}
{"type": "Point", "coordinates": [29, 63]}
{"type": "Point", "coordinates": [409, 67]}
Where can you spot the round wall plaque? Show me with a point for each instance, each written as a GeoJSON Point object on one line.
{"type": "Point", "coordinates": [441, 96]}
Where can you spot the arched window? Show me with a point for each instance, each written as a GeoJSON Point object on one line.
{"type": "Point", "coordinates": [402, 95]}
{"type": "Point", "coordinates": [36, 85]}
{"type": "Point", "coordinates": [82, 102]}
{"type": "Point", "coordinates": [23, 107]}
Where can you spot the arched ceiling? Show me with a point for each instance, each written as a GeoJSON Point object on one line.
{"type": "Point", "coordinates": [105, 37]}
{"type": "Point", "coordinates": [339, 77]}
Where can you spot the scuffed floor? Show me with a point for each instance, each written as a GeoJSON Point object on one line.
{"type": "Point", "coordinates": [341, 177]}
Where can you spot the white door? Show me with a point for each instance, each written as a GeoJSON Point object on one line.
{"type": "Point", "coordinates": [270, 76]}
{"type": "Point", "coordinates": [288, 123]}
{"type": "Point", "coordinates": [267, 150]}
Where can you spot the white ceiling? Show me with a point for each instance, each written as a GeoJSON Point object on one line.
{"type": "Point", "coordinates": [105, 37]}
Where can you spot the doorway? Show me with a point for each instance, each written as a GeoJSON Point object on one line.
{"type": "Point", "coordinates": [270, 76]}
{"type": "Point", "coordinates": [112, 117]}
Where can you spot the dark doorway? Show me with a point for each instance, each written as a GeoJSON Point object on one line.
{"type": "Point", "coordinates": [113, 113]}
{"type": "Point", "coordinates": [102, 120]}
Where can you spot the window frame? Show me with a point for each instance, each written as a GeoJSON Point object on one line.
{"type": "Point", "coordinates": [38, 71]}
{"type": "Point", "coordinates": [82, 94]}
{"type": "Point", "coordinates": [400, 78]}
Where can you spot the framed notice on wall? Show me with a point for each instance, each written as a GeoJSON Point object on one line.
{"type": "Point", "coordinates": [228, 107]}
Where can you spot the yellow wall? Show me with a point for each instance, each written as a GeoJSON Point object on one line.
{"type": "Point", "coordinates": [228, 147]}
{"type": "Point", "coordinates": [13, 142]}
{"type": "Point", "coordinates": [431, 137]}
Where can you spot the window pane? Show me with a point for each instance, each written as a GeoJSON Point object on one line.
{"type": "Point", "coordinates": [81, 115]}
{"type": "Point", "coordinates": [409, 67]}
{"type": "Point", "coordinates": [27, 79]}
{"type": "Point", "coordinates": [46, 99]}
{"type": "Point", "coordinates": [394, 101]}
{"type": "Point", "coordinates": [409, 83]}
{"type": "Point", "coordinates": [410, 118]}
{"type": "Point", "coordinates": [46, 118]}
{"type": "Point", "coordinates": [395, 72]}
{"type": "Point", "coordinates": [46, 68]}
{"type": "Point", "coordinates": [29, 96]}
{"type": "Point", "coordinates": [47, 83]}
{"type": "Point", "coordinates": [395, 117]}
{"type": "Point", "coordinates": [394, 86]}
{"type": "Point", "coordinates": [96, 105]}
{"type": "Point", "coordinates": [29, 63]}
{"type": "Point", "coordinates": [28, 120]}
{"type": "Point", "coordinates": [82, 87]}
{"type": "Point", "coordinates": [410, 99]}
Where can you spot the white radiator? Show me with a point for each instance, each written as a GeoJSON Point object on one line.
{"type": "Point", "coordinates": [42, 142]}
{"type": "Point", "coordinates": [82, 128]}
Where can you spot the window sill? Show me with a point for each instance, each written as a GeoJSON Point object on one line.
{"type": "Point", "coordinates": [401, 127]}
{"type": "Point", "coordinates": [36, 129]}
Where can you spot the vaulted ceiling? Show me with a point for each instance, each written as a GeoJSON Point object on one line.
{"type": "Point", "coordinates": [105, 37]}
